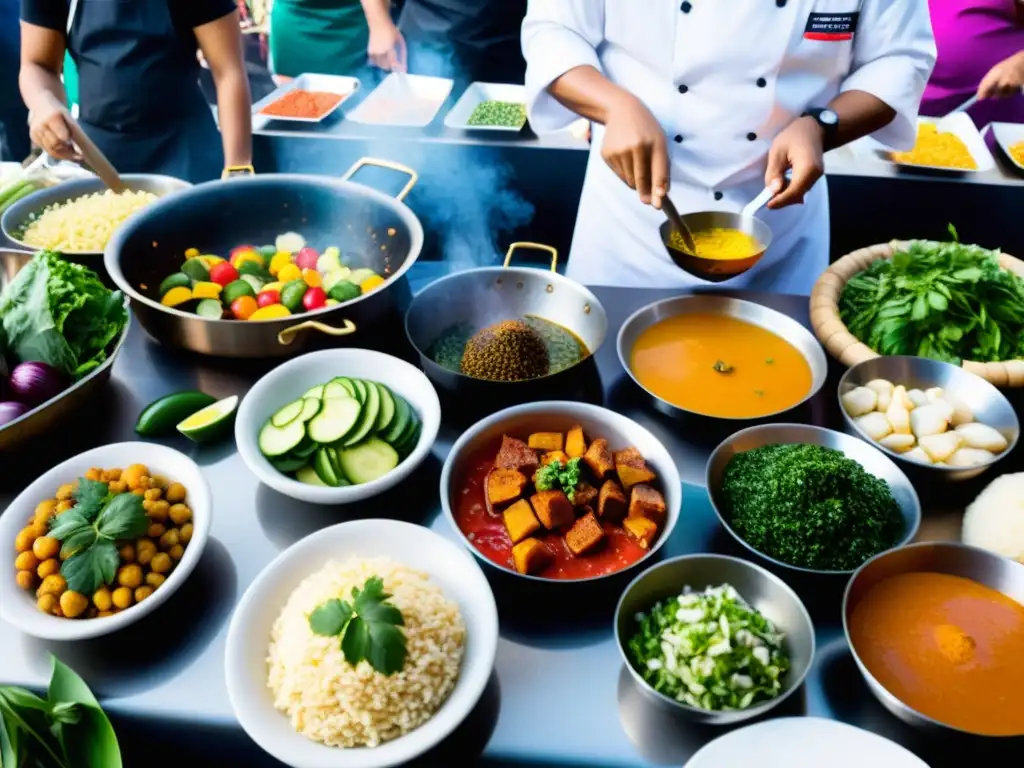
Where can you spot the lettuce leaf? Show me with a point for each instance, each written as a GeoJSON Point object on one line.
{"type": "Point", "coordinates": [60, 313]}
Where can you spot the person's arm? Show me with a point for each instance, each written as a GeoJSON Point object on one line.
{"type": "Point", "coordinates": [221, 43]}
{"type": "Point", "coordinates": [42, 60]}
{"type": "Point", "coordinates": [386, 47]}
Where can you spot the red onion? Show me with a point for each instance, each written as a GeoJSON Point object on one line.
{"type": "Point", "coordinates": [34, 382]}
{"type": "Point", "coordinates": [11, 410]}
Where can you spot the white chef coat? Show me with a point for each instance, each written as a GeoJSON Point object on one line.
{"type": "Point", "coordinates": [723, 77]}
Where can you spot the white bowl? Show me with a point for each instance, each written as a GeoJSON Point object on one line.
{"type": "Point", "coordinates": [18, 607]}
{"type": "Point", "coordinates": [289, 381]}
{"type": "Point", "coordinates": [245, 665]}
{"type": "Point", "coordinates": [617, 429]}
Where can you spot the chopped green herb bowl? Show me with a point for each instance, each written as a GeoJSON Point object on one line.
{"type": "Point", "coordinates": [763, 591]}
{"type": "Point", "coordinates": [873, 461]}
{"type": "Point", "coordinates": [18, 607]}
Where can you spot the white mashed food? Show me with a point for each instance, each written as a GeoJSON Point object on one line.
{"type": "Point", "coordinates": [995, 520]}
{"type": "Point", "coordinates": [339, 705]}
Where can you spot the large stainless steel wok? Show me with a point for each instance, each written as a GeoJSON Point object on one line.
{"type": "Point", "coordinates": [371, 228]}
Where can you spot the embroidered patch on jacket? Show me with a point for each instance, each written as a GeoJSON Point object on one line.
{"type": "Point", "coordinates": [831, 27]}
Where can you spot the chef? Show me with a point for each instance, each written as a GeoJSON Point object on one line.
{"type": "Point", "coordinates": [712, 101]}
{"type": "Point", "coordinates": [138, 82]}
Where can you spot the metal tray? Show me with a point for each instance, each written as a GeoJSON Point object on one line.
{"type": "Point", "coordinates": [403, 100]}
{"type": "Point", "coordinates": [47, 415]}
{"type": "Point", "coordinates": [1006, 135]}
{"type": "Point", "coordinates": [961, 126]}
{"type": "Point", "coordinates": [336, 84]}
{"type": "Point", "coordinates": [477, 94]}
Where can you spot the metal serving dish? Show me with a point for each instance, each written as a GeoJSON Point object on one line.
{"type": "Point", "coordinates": [480, 297]}
{"type": "Point", "coordinates": [762, 590]}
{"type": "Point", "coordinates": [869, 457]}
{"type": "Point", "coordinates": [992, 570]}
{"type": "Point", "coordinates": [18, 215]}
{"type": "Point", "coordinates": [220, 215]}
{"type": "Point", "coordinates": [755, 314]}
{"type": "Point", "coordinates": [75, 397]}
{"type": "Point", "coordinates": [717, 270]}
{"type": "Point", "coordinates": [988, 404]}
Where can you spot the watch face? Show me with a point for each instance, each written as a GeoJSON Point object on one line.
{"type": "Point", "coordinates": [828, 117]}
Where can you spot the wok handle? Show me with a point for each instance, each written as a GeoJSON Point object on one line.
{"type": "Point", "coordinates": [536, 246]}
{"type": "Point", "coordinates": [391, 164]}
{"type": "Point", "coordinates": [287, 336]}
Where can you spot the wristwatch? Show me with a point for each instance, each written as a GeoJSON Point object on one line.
{"type": "Point", "coordinates": [829, 122]}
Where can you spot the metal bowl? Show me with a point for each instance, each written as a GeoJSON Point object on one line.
{"type": "Point", "coordinates": [557, 415]}
{"type": "Point", "coordinates": [869, 457]}
{"type": "Point", "coordinates": [717, 270]}
{"type": "Point", "coordinates": [756, 314]}
{"type": "Point", "coordinates": [21, 213]}
{"type": "Point", "coordinates": [999, 573]}
{"type": "Point", "coordinates": [988, 404]}
{"type": "Point", "coordinates": [763, 590]}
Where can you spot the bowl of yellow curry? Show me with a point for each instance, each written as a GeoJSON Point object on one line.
{"type": "Point", "coordinates": [936, 630]}
{"type": "Point", "coordinates": [726, 244]}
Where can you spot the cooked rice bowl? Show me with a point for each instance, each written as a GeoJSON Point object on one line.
{"type": "Point", "coordinates": [337, 704]}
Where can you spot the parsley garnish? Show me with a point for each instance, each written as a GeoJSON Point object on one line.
{"type": "Point", "coordinates": [88, 530]}
{"type": "Point", "coordinates": [369, 627]}
{"type": "Point", "coordinates": [721, 366]}
{"type": "Point", "coordinates": [559, 475]}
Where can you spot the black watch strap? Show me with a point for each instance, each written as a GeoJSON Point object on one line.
{"type": "Point", "coordinates": [827, 119]}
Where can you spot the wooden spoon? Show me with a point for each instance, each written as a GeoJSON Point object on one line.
{"type": "Point", "coordinates": [93, 157]}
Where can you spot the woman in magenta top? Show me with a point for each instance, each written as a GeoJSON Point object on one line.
{"type": "Point", "coordinates": [981, 50]}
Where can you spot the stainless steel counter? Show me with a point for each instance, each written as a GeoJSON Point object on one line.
{"type": "Point", "coordinates": [162, 680]}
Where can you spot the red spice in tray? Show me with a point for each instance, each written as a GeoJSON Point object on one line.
{"type": "Point", "coordinates": [300, 103]}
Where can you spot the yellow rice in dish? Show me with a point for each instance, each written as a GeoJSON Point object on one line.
{"type": "Point", "coordinates": [938, 149]}
{"type": "Point", "coordinates": [718, 243]}
{"type": "Point", "coordinates": [1017, 152]}
{"type": "Point", "coordinates": [342, 706]}
{"type": "Point", "coordinates": [85, 223]}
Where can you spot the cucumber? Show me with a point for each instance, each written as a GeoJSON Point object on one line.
{"type": "Point", "coordinates": [161, 417]}
{"type": "Point", "coordinates": [336, 419]}
{"type": "Point", "coordinates": [407, 440]}
{"type": "Point", "coordinates": [310, 408]}
{"type": "Point", "coordinates": [277, 441]}
{"type": "Point", "coordinates": [387, 408]}
{"type": "Point", "coordinates": [288, 414]}
{"type": "Point", "coordinates": [347, 384]}
{"type": "Point", "coordinates": [177, 280]}
{"type": "Point", "coordinates": [360, 387]}
{"type": "Point", "coordinates": [368, 461]}
{"type": "Point", "coordinates": [316, 392]}
{"type": "Point", "coordinates": [324, 468]}
{"type": "Point", "coordinates": [403, 415]}
{"type": "Point", "coordinates": [287, 464]}
{"type": "Point", "coordinates": [335, 456]}
{"type": "Point", "coordinates": [309, 476]}
{"type": "Point", "coordinates": [211, 309]}
{"type": "Point", "coordinates": [335, 389]}
{"type": "Point", "coordinates": [305, 449]}
{"type": "Point", "coordinates": [368, 417]}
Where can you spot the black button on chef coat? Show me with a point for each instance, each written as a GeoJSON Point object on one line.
{"type": "Point", "coordinates": [718, 195]}
{"type": "Point", "coordinates": [683, 88]}
{"type": "Point", "coordinates": [761, 82]}
{"type": "Point", "coordinates": [751, 136]}
{"type": "Point", "coordinates": [685, 7]}
{"type": "Point", "coordinates": [678, 139]}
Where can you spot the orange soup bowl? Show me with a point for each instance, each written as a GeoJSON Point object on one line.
{"type": "Point", "coordinates": [936, 630]}
{"type": "Point", "coordinates": [485, 528]}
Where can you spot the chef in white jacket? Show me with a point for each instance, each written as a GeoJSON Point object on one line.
{"type": "Point", "coordinates": [714, 99]}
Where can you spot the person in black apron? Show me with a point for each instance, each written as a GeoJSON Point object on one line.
{"type": "Point", "coordinates": [468, 40]}
{"type": "Point", "coordinates": [138, 83]}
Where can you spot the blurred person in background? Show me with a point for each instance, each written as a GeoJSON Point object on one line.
{"type": "Point", "coordinates": [14, 142]}
{"type": "Point", "coordinates": [980, 51]}
{"type": "Point", "coordinates": [138, 82]}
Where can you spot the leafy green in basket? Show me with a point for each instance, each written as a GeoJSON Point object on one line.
{"type": "Point", "coordinates": [946, 301]}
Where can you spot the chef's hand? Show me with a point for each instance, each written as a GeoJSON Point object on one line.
{"type": "Point", "coordinates": [1004, 80]}
{"type": "Point", "coordinates": [49, 129]}
{"type": "Point", "coordinates": [636, 149]}
{"type": "Point", "coordinates": [386, 48]}
{"type": "Point", "coordinates": [799, 149]}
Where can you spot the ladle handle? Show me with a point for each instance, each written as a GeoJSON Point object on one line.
{"type": "Point", "coordinates": [758, 202]}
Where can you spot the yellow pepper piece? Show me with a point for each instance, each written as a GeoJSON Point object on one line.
{"type": "Point", "coordinates": [176, 296]}
{"type": "Point", "coordinates": [206, 290]}
{"type": "Point", "coordinates": [372, 283]}
{"type": "Point", "coordinates": [312, 278]}
{"type": "Point", "coordinates": [271, 312]}
{"type": "Point", "coordinates": [288, 273]}
{"type": "Point", "coordinates": [209, 259]}
{"type": "Point", "coordinates": [278, 261]}
{"type": "Point", "coordinates": [331, 303]}
{"type": "Point", "coordinates": [274, 286]}
{"type": "Point", "coordinates": [241, 258]}
{"type": "Point", "coordinates": [191, 253]}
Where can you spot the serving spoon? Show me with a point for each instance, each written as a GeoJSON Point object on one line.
{"type": "Point", "coordinates": [678, 224]}
{"type": "Point", "coordinates": [92, 155]}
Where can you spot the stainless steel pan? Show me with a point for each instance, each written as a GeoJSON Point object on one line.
{"type": "Point", "coordinates": [374, 229]}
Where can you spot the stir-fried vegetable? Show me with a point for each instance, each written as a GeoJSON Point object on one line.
{"type": "Point", "coordinates": [710, 650]}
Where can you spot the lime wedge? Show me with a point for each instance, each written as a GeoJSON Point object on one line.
{"type": "Point", "coordinates": [211, 422]}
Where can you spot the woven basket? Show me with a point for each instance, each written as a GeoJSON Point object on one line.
{"type": "Point", "coordinates": [848, 350]}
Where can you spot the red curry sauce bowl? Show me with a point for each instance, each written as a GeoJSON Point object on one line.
{"type": "Point", "coordinates": [485, 535]}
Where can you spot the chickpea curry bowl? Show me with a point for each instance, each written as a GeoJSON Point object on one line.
{"type": "Point", "coordinates": [561, 491]}
{"type": "Point", "coordinates": [101, 540]}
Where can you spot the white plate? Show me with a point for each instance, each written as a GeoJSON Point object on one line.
{"type": "Point", "coordinates": [803, 742]}
{"type": "Point", "coordinates": [963, 127]}
{"type": "Point", "coordinates": [18, 607]}
{"type": "Point", "coordinates": [245, 664]}
{"type": "Point", "coordinates": [1006, 135]}
{"type": "Point", "coordinates": [405, 100]}
{"type": "Point", "coordinates": [342, 86]}
{"type": "Point", "coordinates": [477, 94]}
